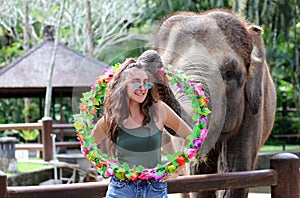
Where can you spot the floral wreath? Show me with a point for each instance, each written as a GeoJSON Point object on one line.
{"type": "Point", "coordinates": [93, 101]}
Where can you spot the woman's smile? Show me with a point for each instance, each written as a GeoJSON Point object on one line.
{"type": "Point", "coordinates": [139, 86]}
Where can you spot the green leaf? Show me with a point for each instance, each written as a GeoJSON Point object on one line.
{"type": "Point", "coordinates": [103, 169]}
{"type": "Point", "coordinates": [105, 156]}
{"type": "Point", "coordinates": [78, 125]}
{"type": "Point", "coordinates": [87, 94]}
{"type": "Point", "coordinates": [190, 137]}
{"type": "Point", "coordinates": [128, 174]}
{"type": "Point", "coordinates": [203, 125]}
{"type": "Point", "coordinates": [195, 117]}
{"type": "Point", "coordinates": [195, 103]}
{"type": "Point", "coordinates": [173, 81]}
{"type": "Point", "coordinates": [196, 129]}
{"type": "Point", "coordinates": [161, 171]}
{"type": "Point", "coordinates": [90, 117]}
{"type": "Point", "coordinates": [114, 166]}
{"type": "Point", "coordinates": [170, 157]}
{"type": "Point", "coordinates": [77, 116]}
{"type": "Point", "coordinates": [139, 169]}
{"type": "Point", "coordinates": [126, 166]}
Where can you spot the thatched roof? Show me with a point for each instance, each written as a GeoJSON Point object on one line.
{"type": "Point", "coordinates": [27, 76]}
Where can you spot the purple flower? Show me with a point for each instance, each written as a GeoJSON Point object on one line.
{"type": "Point", "coordinates": [181, 88]}
{"type": "Point", "coordinates": [158, 177]}
{"type": "Point", "coordinates": [191, 83]}
{"type": "Point", "coordinates": [203, 119]}
{"type": "Point", "coordinates": [197, 143]}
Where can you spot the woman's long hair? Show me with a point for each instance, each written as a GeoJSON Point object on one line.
{"type": "Point", "coordinates": [116, 100]}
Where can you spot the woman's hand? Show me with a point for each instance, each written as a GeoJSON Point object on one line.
{"type": "Point", "coordinates": [174, 175]}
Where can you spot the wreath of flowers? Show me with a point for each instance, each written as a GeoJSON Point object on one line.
{"type": "Point", "coordinates": [92, 102]}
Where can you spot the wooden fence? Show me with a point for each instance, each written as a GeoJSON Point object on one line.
{"type": "Point", "coordinates": [283, 177]}
{"type": "Point", "coordinates": [47, 127]}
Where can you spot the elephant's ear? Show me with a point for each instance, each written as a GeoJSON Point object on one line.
{"type": "Point", "coordinates": [256, 69]}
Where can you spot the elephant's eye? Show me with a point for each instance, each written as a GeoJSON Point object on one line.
{"type": "Point", "coordinates": [228, 75]}
{"type": "Point", "coordinates": [230, 71]}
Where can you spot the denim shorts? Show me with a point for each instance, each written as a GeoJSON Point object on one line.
{"type": "Point", "coordinates": [136, 189]}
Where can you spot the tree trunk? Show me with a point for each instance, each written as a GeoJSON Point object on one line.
{"type": "Point", "coordinates": [89, 32]}
{"type": "Point", "coordinates": [26, 47]}
{"type": "Point", "coordinates": [52, 65]}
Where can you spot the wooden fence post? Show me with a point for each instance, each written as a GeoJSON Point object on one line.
{"type": "Point", "coordinates": [3, 185]}
{"type": "Point", "coordinates": [286, 166]}
{"type": "Point", "coordinates": [46, 137]}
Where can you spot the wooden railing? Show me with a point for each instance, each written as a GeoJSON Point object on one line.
{"type": "Point", "coordinates": [283, 177]}
{"type": "Point", "coordinates": [47, 127]}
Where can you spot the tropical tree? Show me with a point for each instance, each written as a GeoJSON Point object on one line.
{"type": "Point", "coordinates": [281, 23]}
{"type": "Point", "coordinates": [97, 23]}
{"type": "Point", "coordinates": [89, 26]}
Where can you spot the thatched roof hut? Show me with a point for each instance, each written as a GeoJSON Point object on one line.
{"type": "Point", "coordinates": [28, 75]}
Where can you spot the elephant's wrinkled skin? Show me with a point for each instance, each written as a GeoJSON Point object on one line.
{"type": "Point", "coordinates": [227, 55]}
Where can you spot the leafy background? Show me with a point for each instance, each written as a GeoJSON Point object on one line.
{"type": "Point", "coordinates": [113, 30]}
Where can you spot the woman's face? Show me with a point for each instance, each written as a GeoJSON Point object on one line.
{"type": "Point", "coordinates": [138, 86]}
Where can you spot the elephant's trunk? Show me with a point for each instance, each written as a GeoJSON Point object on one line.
{"type": "Point", "coordinates": [208, 74]}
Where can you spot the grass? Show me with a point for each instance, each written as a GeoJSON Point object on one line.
{"type": "Point", "coordinates": [36, 164]}
{"type": "Point", "coordinates": [273, 148]}
{"type": "Point", "coordinates": [31, 166]}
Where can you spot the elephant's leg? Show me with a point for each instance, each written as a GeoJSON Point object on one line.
{"type": "Point", "coordinates": [206, 165]}
{"type": "Point", "coordinates": [239, 154]}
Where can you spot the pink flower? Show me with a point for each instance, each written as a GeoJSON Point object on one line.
{"type": "Point", "coordinates": [85, 150]}
{"type": "Point", "coordinates": [93, 87]}
{"type": "Point", "coordinates": [107, 72]}
{"type": "Point", "coordinates": [160, 73]}
{"type": "Point", "coordinates": [109, 172]}
{"type": "Point", "coordinates": [146, 175]}
{"type": "Point", "coordinates": [199, 90]}
{"type": "Point", "coordinates": [203, 134]}
{"type": "Point", "coordinates": [191, 152]}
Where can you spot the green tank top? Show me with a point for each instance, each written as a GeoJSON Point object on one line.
{"type": "Point", "coordinates": [139, 146]}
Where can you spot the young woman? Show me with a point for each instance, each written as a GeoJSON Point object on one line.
{"type": "Point", "coordinates": [133, 120]}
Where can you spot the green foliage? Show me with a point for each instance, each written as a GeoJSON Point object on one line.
{"type": "Point", "coordinates": [66, 107]}
{"type": "Point", "coordinates": [32, 112]}
{"type": "Point", "coordinates": [29, 135]}
{"type": "Point", "coordinates": [119, 52]}
{"type": "Point", "coordinates": [11, 110]}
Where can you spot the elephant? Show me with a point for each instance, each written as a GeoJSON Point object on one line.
{"type": "Point", "coordinates": [226, 54]}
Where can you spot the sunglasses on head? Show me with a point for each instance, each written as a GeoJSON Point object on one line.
{"type": "Point", "coordinates": [138, 85]}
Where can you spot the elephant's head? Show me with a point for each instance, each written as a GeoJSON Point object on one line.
{"type": "Point", "coordinates": [223, 53]}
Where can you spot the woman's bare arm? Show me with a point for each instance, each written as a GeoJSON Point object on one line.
{"type": "Point", "coordinates": [172, 120]}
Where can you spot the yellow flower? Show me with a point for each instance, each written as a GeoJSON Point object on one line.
{"type": "Point", "coordinates": [171, 169]}
{"type": "Point", "coordinates": [95, 101]}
